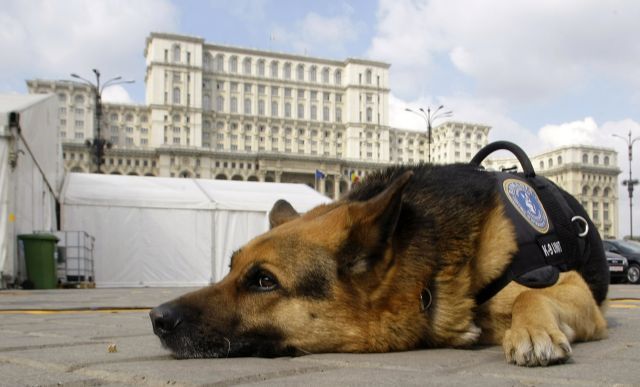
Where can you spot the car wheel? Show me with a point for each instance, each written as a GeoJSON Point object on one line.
{"type": "Point", "coordinates": [633, 275]}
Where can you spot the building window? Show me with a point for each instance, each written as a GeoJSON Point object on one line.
{"type": "Point", "coordinates": [220, 103]}
{"type": "Point", "coordinates": [585, 159]}
{"type": "Point", "coordinates": [300, 110]}
{"type": "Point", "coordinates": [206, 102]}
{"type": "Point", "coordinates": [606, 160]}
{"type": "Point", "coordinates": [274, 109]}
{"type": "Point", "coordinates": [559, 160]}
{"type": "Point", "coordinates": [595, 211]}
{"type": "Point", "coordinates": [176, 53]}
{"type": "Point", "coordinates": [206, 61]}
{"type": "Point", "coordinates": [338, 115]}
{"type": "Point", "coordinates": [287, 110]}
{"type": "Point", "coordinates": [79, 135]}
{"type": "Point", "coordinates": [246, 66]}
{"type": "Point", "coordinates": [287, 71]}
{"type": "Point", "coordinates": [368, 76]}
{"type": "Point", "coordinates": [314, 112]}
{"type": "Point", "coordinates": [369, 114]}
{"type": "Point", "coordinates": [337, 77]}
{"type": "Point", "coordinates": [605, 212]}
{"type": "Point", "coordinates": [233, 64]}
{"type": "Point", "coordinates": [274, 69]}
{"type": "Point", "coordinates": [325, 75]}
{"type": "Point", "coordinates": [234, 105]}
{"type": "Point", "coordinates": [62, 98]}
{"type": "Point", "coordinates": [219, 65]}
{"type": "Point", "coordinates": [247, 106]}
{"type": "Point", "coordinates": [261, 107]}
{"type": "Point", "coordinates": [300, 73]}
{"type": "Point", "coordinates": [176, 95]}
{"type": "Point", "coordinates": [325, 113]}
{"type": "Point", "coordinates": [261, 67]}
{"type": "Point", "coordinates": [596, 160]}
{"type": "Point", "coordinates": [313, 73]}
{"type": "Point", "coordinates": [79, 124]}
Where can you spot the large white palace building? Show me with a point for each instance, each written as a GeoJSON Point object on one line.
{"type": "Point", "coordinates": [222, 112]}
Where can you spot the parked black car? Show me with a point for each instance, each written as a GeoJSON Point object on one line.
{"type": "Point", "coordinates": [629, 250]}
{"type": "Point", "coordinates": [618, 267]}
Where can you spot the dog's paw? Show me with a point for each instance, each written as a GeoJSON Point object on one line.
{"type": "Point", "coordinates": [535, 346]}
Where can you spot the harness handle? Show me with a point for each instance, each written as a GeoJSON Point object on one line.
{"type": "Point", "coordinates": [522, 157]}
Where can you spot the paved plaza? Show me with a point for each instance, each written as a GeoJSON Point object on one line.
{"type": "Point", "coordinates": [103, 337]}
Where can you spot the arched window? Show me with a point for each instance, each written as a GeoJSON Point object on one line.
{"type": "Point", "coordinates": [300, 72]}
{"type": "Point", "coordinates": [219, 103]}
{"type": "Point", "coordinates": [337, 77]}
{"type": "Point", "coordinates": [585, 190]}
{"type": "Point", "coordinates": [559, 160]}
{"type": "Point", "coordinates": [314, 112]}
{"type": "Point", "coordinates": [233, 107]}
{"type": "Point", "coordinates": [233, 64]}
{"type": "Point", "coordinates": [62, 98]}
{"type": "Point", "coordinates": [287, 71]}
{"type": "Point", "coordinates": [176, 95]}
{"type": "Point", "coordinates": [78, 100]}
{"type": "Point", "coordinates": [338, 115]}
{"type": "Point", "coordinates": [369, 114]}
{"type": "Point", "coordinates": [325, 113]}
{"type": "Point", "coordinates": [541, 164]}
{"type": "Point", "coordinates": [325, 75]}
{"type": "Point", "coordinates": [368, 76]}
{"type": "Point", "coordinates": [113, 117]}
{"type": "Point", "coordinates": [261, 67]}
{"type": "Point", "coordinates": [274, 69]}
{"type": "Point", "coordinates": [596, 191]}
{"type": "Point", "coordinates": [246, 66]}
{"type": "Point", "coordinates": [206, 102]}
{"type": "Point", "coordinates": [606, 192]}
{"type": "Point", "coordinates": [176, 53]}
{"type": "Point", "coordinates": [585, 159]}
{"type": "Point", "coordinates": [144, 118]}
{"type": "Point", "coordinates": [247, 106]}
{"type": "Point", "coordinates": [550, 163]}
{"type": "Point", "coordinates": [220, 62]}
{"type": "Point", "coordinates": [596, 160]}
{"type": "Point", "coordinates": [261, 107]}
{"type": "Point", "coordinates": [274, 108]}
{"type": "Point", "coordinates": [313, 72]}
{"type": "Point", "coordinates": [176, 118]}
{"type": "Point", "coordinates": [129, 117]}
{"type": "Point", "coordinates": [207, 61]}
{"type": "Point", "coordinates": [606, 160]}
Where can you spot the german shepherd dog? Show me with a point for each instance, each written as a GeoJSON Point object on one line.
{"type": "Point", "coordinates": [395, 265]}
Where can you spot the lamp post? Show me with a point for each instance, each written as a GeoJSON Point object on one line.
{"type": "Point", "coordinates": [98, 144]}
{"type": "Point", "coordinates": [630, 182]}
{"type": "Point", "coordinates": [429, 118]}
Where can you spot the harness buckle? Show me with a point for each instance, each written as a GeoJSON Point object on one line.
{"type": "Point", "coordinates": [584, 233]}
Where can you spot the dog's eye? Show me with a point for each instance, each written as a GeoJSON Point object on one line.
{"type": "Point", "coordinates": [263, 282]}
{"type": "Point", "coordinates": [266, 282]}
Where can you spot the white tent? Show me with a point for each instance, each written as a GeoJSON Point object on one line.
{"type": "Point", "coordinates": [30, 173]}
{"type": "Point", "coordinates": [154, 231]}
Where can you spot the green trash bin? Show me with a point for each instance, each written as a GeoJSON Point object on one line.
{"type": "Point", "coordinates": [39, 253]}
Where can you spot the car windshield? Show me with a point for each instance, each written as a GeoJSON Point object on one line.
{"type": "Point", "coordinates": [628, 247]}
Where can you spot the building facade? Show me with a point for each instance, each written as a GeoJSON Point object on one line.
{"type": "Point", "coordinates": [223, 112]}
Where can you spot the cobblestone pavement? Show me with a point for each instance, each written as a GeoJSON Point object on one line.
{"type": "Point", "coordinates": [64, 337]}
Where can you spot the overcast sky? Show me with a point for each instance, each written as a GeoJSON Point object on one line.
{"type": "Point", "coordinates": [541, 73]}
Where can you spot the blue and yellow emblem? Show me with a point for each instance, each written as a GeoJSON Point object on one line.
{"type": "Point", "coordinates": [526, 201]}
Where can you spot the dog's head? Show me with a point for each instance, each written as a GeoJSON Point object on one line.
{"type": "Point", "coordinates": [319, 282]}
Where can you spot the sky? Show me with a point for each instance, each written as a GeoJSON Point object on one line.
{"type": "Point", "coordinates": [541, 73]}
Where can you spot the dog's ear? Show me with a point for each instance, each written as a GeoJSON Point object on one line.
{"type": "Point", "coordinates": [372, 225]}
{"type": "Point", "coordinates": [281, 212]}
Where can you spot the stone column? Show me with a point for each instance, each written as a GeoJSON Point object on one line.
{"type": "Point", "coordinates": [336, 187]}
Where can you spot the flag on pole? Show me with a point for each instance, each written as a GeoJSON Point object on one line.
{"type": "Point", "coordinates": [355, 178]}
{"type": "Point", "coordinates": [320, 174]}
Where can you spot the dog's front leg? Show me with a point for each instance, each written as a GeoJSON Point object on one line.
{"type": "Point", "coordinates": [545, 322]}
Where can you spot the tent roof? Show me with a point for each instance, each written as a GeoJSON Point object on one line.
{"type": "Point", "coordinates": [163, 192]}
{"type": "Point", "coordinates": [19, 102]}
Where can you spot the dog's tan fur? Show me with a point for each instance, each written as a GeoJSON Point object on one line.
{"type": "Point", "coordinates": [329, 299]}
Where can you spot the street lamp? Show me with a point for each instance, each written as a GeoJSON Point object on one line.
{"type": "Point", "coordinates": [429, 118]}
{"type": "Point", "coordinates": [98, 144]}
{"type": "Point", "coordinates": [630, 182]}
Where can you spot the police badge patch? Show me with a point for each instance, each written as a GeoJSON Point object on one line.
{"type": "Point", "coordinates": [523, 197]}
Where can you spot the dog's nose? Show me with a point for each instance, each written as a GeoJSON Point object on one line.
{"type": "Point", "coordinates": [164, 318]}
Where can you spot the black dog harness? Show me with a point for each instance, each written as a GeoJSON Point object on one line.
{"type": "Point", "coordinates": [551, 235]}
